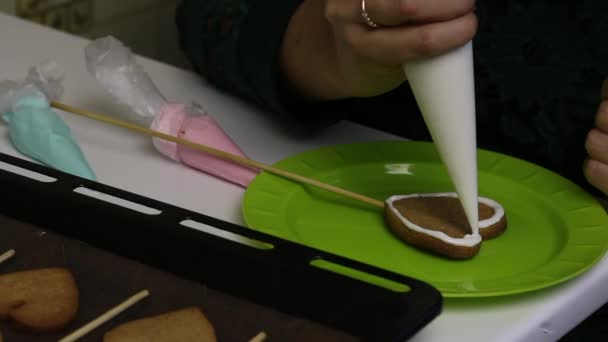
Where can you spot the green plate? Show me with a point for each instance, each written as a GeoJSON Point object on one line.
{"type": "Point", "coordinates": [555, 230]}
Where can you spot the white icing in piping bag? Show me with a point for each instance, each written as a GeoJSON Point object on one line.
{"type": "Point", "coordinates": [444, 88]}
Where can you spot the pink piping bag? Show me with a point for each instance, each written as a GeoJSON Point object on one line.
{"type": "Point", "coordinates": [114, 67]}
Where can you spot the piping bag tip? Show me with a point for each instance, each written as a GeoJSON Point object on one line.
{"type": "Point", "coordinates": [444, 89]}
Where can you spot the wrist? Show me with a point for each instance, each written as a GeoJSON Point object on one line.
{"type": "Point", "coordinates": [307, 59]}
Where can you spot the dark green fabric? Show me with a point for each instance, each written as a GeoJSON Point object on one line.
{"type": "Point", "coordinates": [539, 68]}
{"type": "Point", "coordinates": [209, 34]}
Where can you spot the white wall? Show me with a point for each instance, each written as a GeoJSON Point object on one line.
{"type": "Point", "coordinates": [147, 26]}
{"type": "Point", "coordinates": [7, 6]}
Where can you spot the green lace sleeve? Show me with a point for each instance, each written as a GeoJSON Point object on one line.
{"type": "Point", "coordinates": [234, 44]}
{"type": "Point", "coordinates": [209, 33]}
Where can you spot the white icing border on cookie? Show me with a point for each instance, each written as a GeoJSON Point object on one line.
{"type": "Point", "coordinates": [469, 240]}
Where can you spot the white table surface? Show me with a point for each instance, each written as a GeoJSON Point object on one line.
{"type": "Point", "coordinates": [540, 316]}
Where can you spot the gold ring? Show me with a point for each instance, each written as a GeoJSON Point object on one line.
{"type": "Point", "coordinates": [366, 18]}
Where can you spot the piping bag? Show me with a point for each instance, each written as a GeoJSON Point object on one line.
{"type": "Point", "coordinates": [444, 89]}
{"type": "Point", "coordinates": [35, 129]}
{"type": "Point", "coordinates": [114, 67]}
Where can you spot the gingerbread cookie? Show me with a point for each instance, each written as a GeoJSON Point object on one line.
{"type": "Point", "coordinates": [185, 325]}
{"type": "Point", "coordinates": [39, 300]}
{"type": "Point", "coordinates": [437, 222]}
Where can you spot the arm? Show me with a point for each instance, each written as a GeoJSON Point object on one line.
{"type": "Point", "coordinates": [318, 50]}
{"type": "Point", "coordinates": [271, 44]}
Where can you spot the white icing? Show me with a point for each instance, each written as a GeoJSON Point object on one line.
{"type": "Point", "coordinates": [469, 240]}
{"type": "Point", "coordinates": [444, 88]}
{"type": "Point", "coordinates": [499, 212]}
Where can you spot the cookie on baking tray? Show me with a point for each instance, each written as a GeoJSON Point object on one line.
{"type": "Point", "coordinates": [39, 300]}
{"type": "Point", "coordinates": [184, 325]}
{"type": "Point", "coordinates": [436, 222]}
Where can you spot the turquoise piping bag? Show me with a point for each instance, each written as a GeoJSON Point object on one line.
{"type": "Point", "coordinates": [38, 132]}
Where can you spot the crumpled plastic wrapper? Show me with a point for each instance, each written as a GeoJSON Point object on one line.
{"type": "Point", "coordinates": [46, 77]}
{"type": "Point", "coordinates": [117, 71]}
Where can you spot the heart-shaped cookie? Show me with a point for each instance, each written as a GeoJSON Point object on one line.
{"type": "Point", "coordinates": [185, 325]}
{"type": "Point", "coordinates": [39, 300]}
{"type": "Point", "coordinates": [437, 222]}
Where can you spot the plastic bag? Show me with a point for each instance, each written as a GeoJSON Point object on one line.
{"type": "Point", "coordinates": [114, 67]}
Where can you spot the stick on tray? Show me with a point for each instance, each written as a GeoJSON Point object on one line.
{"type": "Point", "coordinates": [115, 311]}
{"type": "Point", "coordinates": [218, 153]}
{"type": "Point", "coordinates": [7, 255]}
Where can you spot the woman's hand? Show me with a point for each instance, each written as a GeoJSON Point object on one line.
{"type": "Point", "coordinates": [596, 166]}
{"type": "Point", "coordinates": [329, 52]}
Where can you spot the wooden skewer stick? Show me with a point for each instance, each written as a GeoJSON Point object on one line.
{"type": "Point", "coordinates": [7, 255]}
{"type": "Point", "coordinates": [115, 311]}
{"type": "Point", "coordinates": [218, 153]}
{"type": "Point", "coordinates": [261, 337]}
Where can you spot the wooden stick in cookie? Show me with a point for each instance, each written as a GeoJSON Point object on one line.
{"type": "Point", "coordinates": [461, 246]}
{"type": "Point", "coordinates": [7, 255]}
{"type": "Point", "coordinates": [115, 311]}
{"type": "Point", "coordinates": [218, 153]}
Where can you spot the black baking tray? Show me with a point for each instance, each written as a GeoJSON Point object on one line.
{"type": "Point", "coordinates": [280, 277]}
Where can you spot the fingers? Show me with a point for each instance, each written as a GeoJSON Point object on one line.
{"type": "Point", "coordinates": [596, 173]}
{"type": "Point", "coordinates": [601, 118]}
{"type": "Point", "coordinates": [597, 145]}
{"type": "Point", "coordinates": [396, 12]}
{"type": "Point", "coordinates": [452, 24]}
{"type": "Point", "coordinates": [394, 46]}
